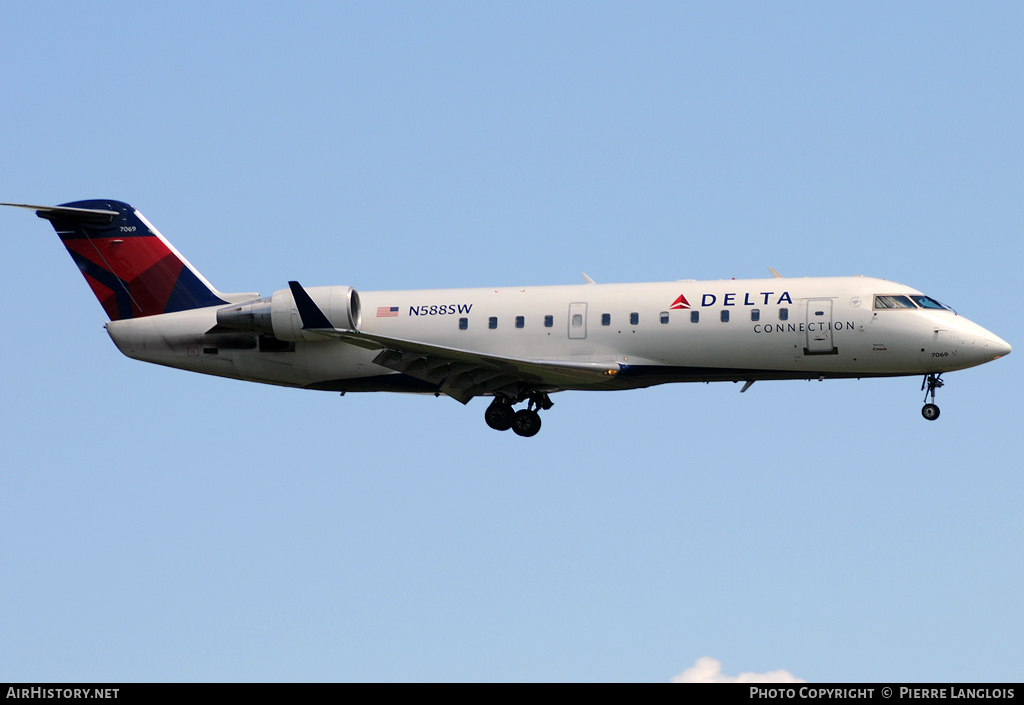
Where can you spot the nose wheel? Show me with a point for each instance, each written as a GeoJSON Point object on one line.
{"type": "Point", "coordinates": [931, 382]}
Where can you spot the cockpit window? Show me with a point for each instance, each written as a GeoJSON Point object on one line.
{"type": "Point", "coordinates": [928, 302]}
{"type": "Point", "coordinates": [893, 301]}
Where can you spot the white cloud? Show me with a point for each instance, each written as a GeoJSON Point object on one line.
{"type": "Point", "coordinates": [709, 670]}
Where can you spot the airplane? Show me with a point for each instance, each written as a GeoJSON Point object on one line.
{"type": "Point", "coordinates": [513, 344]}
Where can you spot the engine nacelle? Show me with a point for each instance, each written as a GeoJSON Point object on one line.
{"type": "Point", "coordinates": [278, 316]}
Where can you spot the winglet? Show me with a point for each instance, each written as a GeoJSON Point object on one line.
{"type": "Point", "coordinates": [311, 315]}
{"type": "Point", "coordinates": [774, 273]}
{"type": "Point", "coordinates": [587, 279]}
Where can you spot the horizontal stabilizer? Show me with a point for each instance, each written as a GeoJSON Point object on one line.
{"type": "Point", "coordinates": [82, 214]}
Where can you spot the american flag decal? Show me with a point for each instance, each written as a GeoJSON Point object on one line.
{"type": "Point", "coordinates": [387, 312]}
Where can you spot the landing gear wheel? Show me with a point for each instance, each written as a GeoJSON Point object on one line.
{"type": "Point", "coordinates": [931, 383]}
{"type": "Point", "coordinates": [526, 423]}
{"type": "Point", "coordinates": [499, 416]}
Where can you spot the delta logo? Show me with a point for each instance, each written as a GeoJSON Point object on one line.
{"type": "Point", "coordinates": [680, 303]}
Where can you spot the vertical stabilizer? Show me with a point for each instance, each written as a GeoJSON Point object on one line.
{"type": "Point", "coordinates": [131, 268]}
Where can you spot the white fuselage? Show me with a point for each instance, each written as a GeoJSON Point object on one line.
{"type": "Point", "coordinates": [659, 332]}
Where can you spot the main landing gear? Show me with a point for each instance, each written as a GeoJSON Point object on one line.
{"type": "Point", "coordinates": [932, 382]}
{"type": "Point", "coordinates": [526, 422]}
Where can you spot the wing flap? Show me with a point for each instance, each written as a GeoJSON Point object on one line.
{"type": "Point", "coordinates": [463, 374]}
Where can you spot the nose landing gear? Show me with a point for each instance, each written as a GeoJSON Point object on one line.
{"type": "Point", "coordinates": [526, 422]}
{"type": "Point", "coordinates": [932, 382]}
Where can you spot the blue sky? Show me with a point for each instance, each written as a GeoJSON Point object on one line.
{"type": "Point", "coordinates": [157, 525]}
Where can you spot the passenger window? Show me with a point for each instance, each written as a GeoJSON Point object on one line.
{"type": "Point", "coordinates": [463, 323]}
{"type": "Point", "coordinates": [549, 321]}
{"type": "Point", "coordinates": [755, 314]}
{"type": "Point", "coordinates": [694, 316]}
{"type": "Point", "coordinates": [783, 314]}
{"type": "Point", "coordinates": [520, 321]}
{"type": "Point", "coordinates": [634, 319]}
{"type": "Point", "coordinates": [664, 317]}
{"type": "Point", "coordinates": [725, 315]}
{"type": "Point", "coordinates": [492, 322]}
{"type": "Point", "coordinates": [606, 319]}
{"type": "Point", "coordinates": [577, 320]}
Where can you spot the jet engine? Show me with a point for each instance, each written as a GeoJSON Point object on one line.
{"type": "Point", "coordinates": [278, 316]}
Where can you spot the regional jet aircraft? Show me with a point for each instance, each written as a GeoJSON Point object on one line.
{"type": "Point", "coordinates": [511, 344]}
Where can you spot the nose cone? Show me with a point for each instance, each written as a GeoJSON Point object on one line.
{"type": "Point", "coordinates": [997, 346]}
{"type": "Point", "coordinates": [983, 346]}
